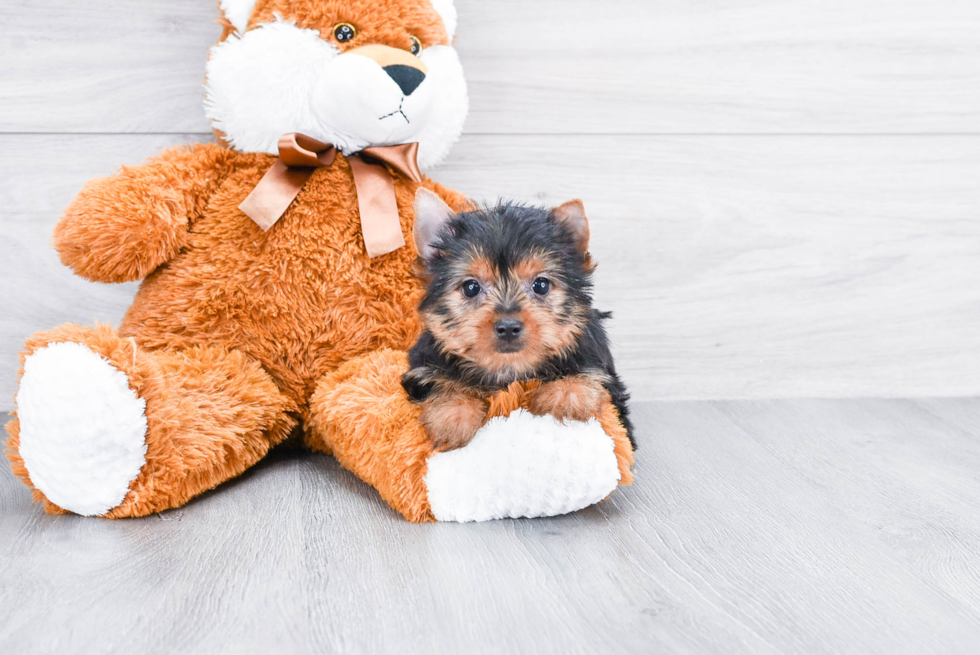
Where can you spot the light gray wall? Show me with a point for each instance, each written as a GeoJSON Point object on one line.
{"type": "Point", "coordinates": [785, 197]}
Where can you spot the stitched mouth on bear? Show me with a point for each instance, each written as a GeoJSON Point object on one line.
{"type": "Point", "coordinates": [397, 112]}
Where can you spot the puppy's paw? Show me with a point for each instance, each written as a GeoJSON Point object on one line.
{"type": "Point", "coordinates": [577, 398]}
{"type": "Point", "coordinates": [452, 421]}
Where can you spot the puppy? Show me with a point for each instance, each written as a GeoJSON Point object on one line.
{"type": "Point", "coordinates": [508, 297]}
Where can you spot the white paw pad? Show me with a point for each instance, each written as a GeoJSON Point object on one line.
{"type": "Point", "coordinates": [523, 466]}
{"type": "Point", "coordinates": [82, 429]}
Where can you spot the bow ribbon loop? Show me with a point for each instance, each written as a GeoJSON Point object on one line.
{"type": "Point", "coordinates": [300, 150]}
{"type": "Point", "coordinates": [300, 156]}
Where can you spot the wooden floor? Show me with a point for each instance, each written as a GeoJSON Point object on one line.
{"type": "Point", "coordinates": [795, 526]}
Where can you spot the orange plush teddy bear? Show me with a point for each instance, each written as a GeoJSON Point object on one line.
{"type": "Point", "coordinates": [279, 290]}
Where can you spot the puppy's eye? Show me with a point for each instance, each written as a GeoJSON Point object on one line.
{"type": "Point", "coordinates": [416, 46]}
{"type": "Point", "coordinates": [541, 286]}
{"type": "Point", "coordinates": [344, 32]}
{"type": "Point", "coordinates": [470, 288]}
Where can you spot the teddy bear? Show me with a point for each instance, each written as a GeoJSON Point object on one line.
{"type": "Point", "coordinates": [279, 290]}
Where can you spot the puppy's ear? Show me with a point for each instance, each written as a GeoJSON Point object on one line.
{"type": "Point", "coordinates": [572, 215]}
{"type": "Point", "coordinates": [431, 215]}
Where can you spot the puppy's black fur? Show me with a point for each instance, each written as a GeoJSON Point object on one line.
{"type": "Point", "coordinates": [504, 238]}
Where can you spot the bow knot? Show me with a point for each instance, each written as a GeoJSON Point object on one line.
{"type": "Point", "coordinates": [300, 156]}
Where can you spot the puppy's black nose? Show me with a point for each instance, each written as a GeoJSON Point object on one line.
{"type": "Point", "coordinates": [508, 329]}
{"type": "Point", "coordinates": [406, 77]}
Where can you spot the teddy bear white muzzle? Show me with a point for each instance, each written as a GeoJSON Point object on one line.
{"type": "Point", "coordinates": [371, 104]}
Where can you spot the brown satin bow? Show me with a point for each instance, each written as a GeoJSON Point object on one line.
{"type": "Point", "coordinates": [300, 155]}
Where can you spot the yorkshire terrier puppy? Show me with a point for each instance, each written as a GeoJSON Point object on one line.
{"type": "Point", "coordinates": [508, 297]}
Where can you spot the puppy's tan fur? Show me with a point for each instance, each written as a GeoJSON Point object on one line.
{"type": "Point", "coordinates": [452, 418]}
{"type": "Point", "coordinates": [576, 398]}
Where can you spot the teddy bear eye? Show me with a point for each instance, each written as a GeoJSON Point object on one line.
{"type": "Point", "coordinates": [470, 288]}
{"type": "Point", "coordinates": [541, 286]}
{"type": "Point", "coordinates": [344, 32]}
{"type": "Point", "coordinates": [416, 46]}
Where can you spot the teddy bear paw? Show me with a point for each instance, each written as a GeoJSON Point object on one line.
{"type": "Point", "coordinates": [82, 428]}
{"type": "Point", "coordinates": [523, 466]}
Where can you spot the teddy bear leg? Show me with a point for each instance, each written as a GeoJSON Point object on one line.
{"type": "Point", "coordinates": [518, 465]}
{"type": "Point", "coordinates": [106, 428]}
{"type": "Point", "coordinates": [356, 416]}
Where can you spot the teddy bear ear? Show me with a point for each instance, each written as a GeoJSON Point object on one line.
{"type": "Point", "coordinates": [447, 11]}
{"type": "Point", "coordinates": [237, 12]}
{"type": "Point", "coordinates": [431, 216]}
{"type": "Point", "coordinates": [572, 215]}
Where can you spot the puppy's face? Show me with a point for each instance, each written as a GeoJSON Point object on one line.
{"type": "Point", "coordinates": [354, 73]}
{"type": "Point", "coordinates": [504, 314]}
{"type": "Point", "coordinates": [509, 286]}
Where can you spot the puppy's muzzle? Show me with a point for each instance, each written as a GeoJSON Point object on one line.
{"type": "Point", "coordinates": [508, 330]}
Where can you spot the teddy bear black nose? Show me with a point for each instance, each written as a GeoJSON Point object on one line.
{"type": "Point", "coordinates": [508, 329]}
{"type": "Point", "coordinates": [406, 77]}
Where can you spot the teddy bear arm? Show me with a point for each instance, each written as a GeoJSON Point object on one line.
{"type": "Point", "coordinates": [121, 228]}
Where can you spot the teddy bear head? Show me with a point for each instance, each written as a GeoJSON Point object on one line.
{"type": "Point", "coordinates": [354, 73]}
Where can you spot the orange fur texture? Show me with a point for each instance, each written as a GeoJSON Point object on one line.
{"type": "Point", "coordinates": [378, 22]}
{"type": "Point", "coordinates": [232, 326]}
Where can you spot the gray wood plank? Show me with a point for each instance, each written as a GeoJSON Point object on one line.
{"type": "Point", "coordinates": [748, 66]}
{"type": "Point", "coordinates": [957, 412]}
{"type": "Point", "coordinates": [550, 66]}
{"type": "Point", "coordinates": [753, 527]}
{"type": "Point", "coordinates": [762, 267]}
{"type": "Point", "coordinates": [105, 66]}
{"type": "Point", "coordinates": [894, 452]}
{"type": "Point", "coordinates": [736, 266]}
